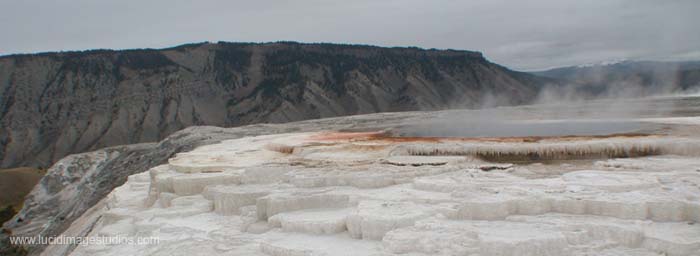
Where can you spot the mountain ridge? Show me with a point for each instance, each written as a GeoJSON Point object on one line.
{"type": "Point", "coordinates": [58, 103]}
{"type": "Point", "coordinates": [187, 45]}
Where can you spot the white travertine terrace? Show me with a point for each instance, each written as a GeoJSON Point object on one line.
{"type": "Point", "coordinates": [315, 194]}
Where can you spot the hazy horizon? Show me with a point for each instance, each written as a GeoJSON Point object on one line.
{"type": "Point", "coordinates": [527, 36]}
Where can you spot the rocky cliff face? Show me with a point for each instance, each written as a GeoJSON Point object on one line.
{"type": "Point", "coordinates": [55, 104]}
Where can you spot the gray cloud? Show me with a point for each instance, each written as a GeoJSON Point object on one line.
{"type": "Point", "coordinates": [524, 35]}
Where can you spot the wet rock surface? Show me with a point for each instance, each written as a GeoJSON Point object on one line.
{"type": "Point", "coordinates": [238, 191]}
{"type": "Point", "coordinates": [470, 207]}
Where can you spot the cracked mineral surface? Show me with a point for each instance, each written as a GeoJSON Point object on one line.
{"type": "Point", "coordinates": [416, 183]}
{"type": "Point", "coordinates": [369, 193]}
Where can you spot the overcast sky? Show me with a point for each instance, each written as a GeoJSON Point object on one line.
{"type": "Point", "coordinates": [523, 35]}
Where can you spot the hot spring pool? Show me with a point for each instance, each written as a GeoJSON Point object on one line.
{"type": "Point", "coordinates": [483, 128]}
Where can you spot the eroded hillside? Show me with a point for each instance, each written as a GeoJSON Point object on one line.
{"type": "Point", "coordinates": [55, 104]}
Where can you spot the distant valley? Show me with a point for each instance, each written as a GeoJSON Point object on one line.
{"type": "Point", "coordinates": [626, 79]}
